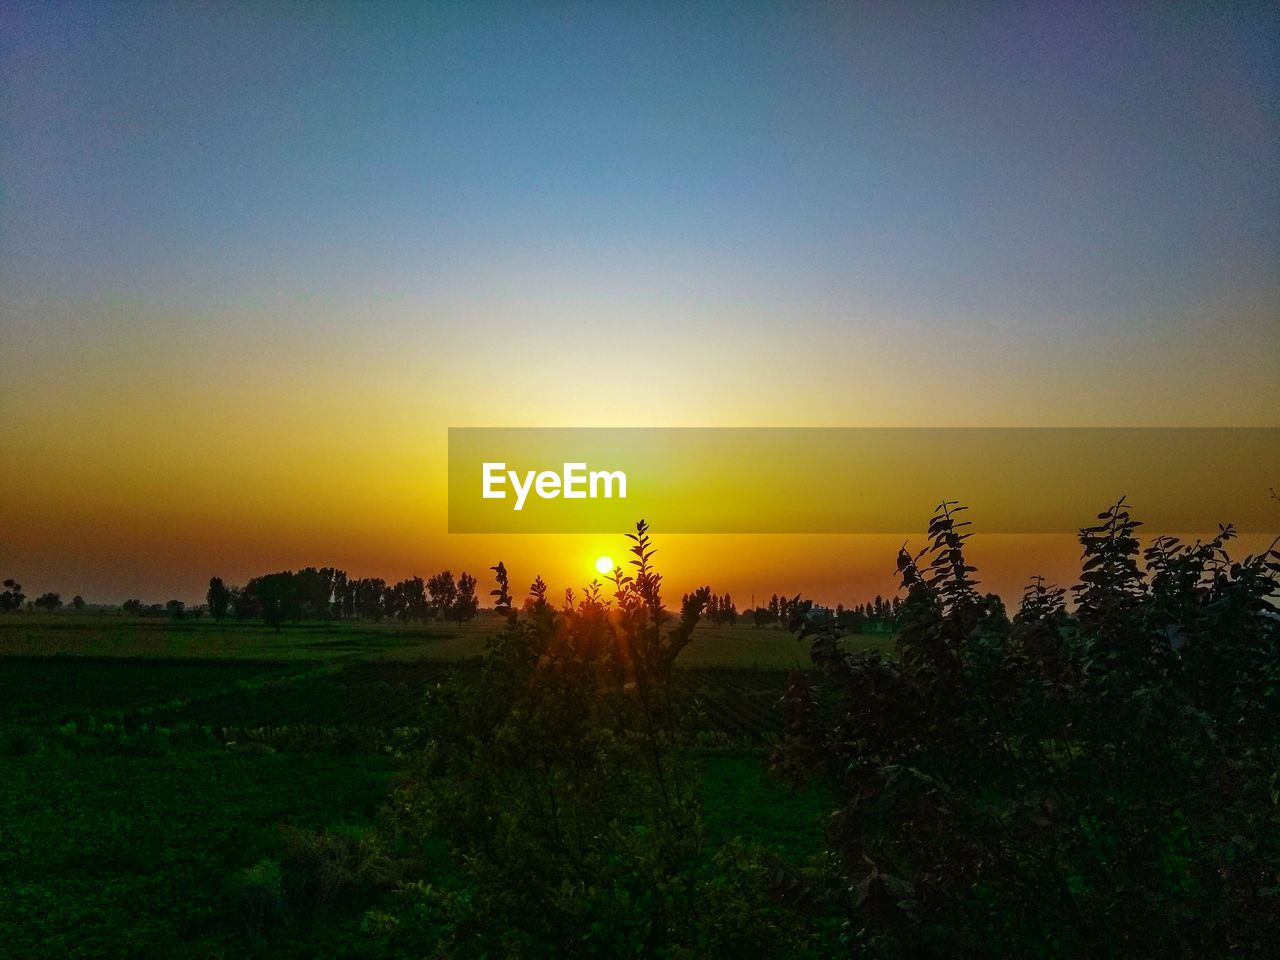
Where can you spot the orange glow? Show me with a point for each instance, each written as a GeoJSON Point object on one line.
{"type": "Point", "coordinates": [139, 464]}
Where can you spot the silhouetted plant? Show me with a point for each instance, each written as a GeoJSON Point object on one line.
{"type": "Point", "coordinates": [1092, 784]}
{"type": "Point", "coordinates": [465, 603]}
{"type": "Point", "coordinates": [274, 598]}
{"type": "Point", "coordinates": [444, 593]}
{"type": "Point", "coordinates": [501, 595]}
{"type": "Point", "coordinates": [558, 780]}
{"type": "Point", "coordinates": [11, 596]}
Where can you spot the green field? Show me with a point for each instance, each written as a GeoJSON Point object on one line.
{"type": "Point", "coordinates": [147, 765]}
{"type": "Point", "coordinates": [112, 635]}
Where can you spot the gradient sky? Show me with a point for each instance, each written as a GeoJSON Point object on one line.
{"type": "Point", "coordinates": [255, 259]}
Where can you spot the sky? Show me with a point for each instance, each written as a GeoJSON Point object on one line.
{"type": "Point", "coordinates": [255, 260]}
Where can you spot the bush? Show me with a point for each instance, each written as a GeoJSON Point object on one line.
{"type": "Point", "coordinates": [317, 873]}
{"type": "Point", "coordinates": [1097, 784]}
{"type": "Point", "coordinates": [326, 868]}
{"type": "Point", "coordinates": [260, 898]}
{"type": "Point", "coordinates": [559, 780]}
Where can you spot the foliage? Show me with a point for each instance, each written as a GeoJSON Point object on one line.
{"type": "Point", "coordinates": [326, 593]}
{"type": "Point", "coordinates": [155, 784]}
{"type": "Point", "coordinates": [138, 855]}
{"type": "Point", "coordinates": [1089, 782]}
{"type": "Point", "coordinates": [1095, 784]}
{"type": "Point", "coordinates": [11, 596]}
{"type": "Point", "coordinates": [218, 598]}
{"type": "Point", "coordinates": [557, 780]}
{"type": "Point", "coordinates": [316, 873]}
{"type": "Point", "coordinates": [721, 609]}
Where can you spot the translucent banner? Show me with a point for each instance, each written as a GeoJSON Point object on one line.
{"type": "Point", "coordinates": [858, 480]}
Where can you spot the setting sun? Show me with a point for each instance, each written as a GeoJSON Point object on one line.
{"type": "Point", "coordinates": [604, 564]}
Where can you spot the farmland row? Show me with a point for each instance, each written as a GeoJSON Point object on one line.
{"type": "Point", "coordinates": [367, 694]}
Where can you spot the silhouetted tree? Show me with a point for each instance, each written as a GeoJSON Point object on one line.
{"type": "Point", "coordinates": [273, 597]}
{"type": "Point", "coordinates": [12, 596]}
{"type": "Point", "coordinates": [465, 603]}
{"type": "Point", "coordinates": [409, 600]}
{"type": "Point", "coordinates": [314, 592]}
{"type": "Point", "coordinates": [218, 598]}
{"type": "Point", "coordinates": [48, 601]}
{"type": "Point", "coordinates": [444, 593]}
{"type": "Point", "coordinates": [367, 597]}
{"type": "Point", "coordinates": [343, 597]}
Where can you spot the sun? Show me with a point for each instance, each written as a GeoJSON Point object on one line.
{"type": "Point", "coordinates": [604, 564]}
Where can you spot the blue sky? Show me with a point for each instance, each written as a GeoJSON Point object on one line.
{"type": "Point", "coordinates": [1026, 163]}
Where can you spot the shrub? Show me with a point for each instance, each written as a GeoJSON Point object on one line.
{"type": "Point", "coordinates": [558, 781]}
{"type": "Point", "coordinates": [1096, 784]}
{"type": "Point", "coordinates": [260, 898]}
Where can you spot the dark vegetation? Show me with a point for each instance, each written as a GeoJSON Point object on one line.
{"type": "Point", "coordinates": [11, 596]}
{"type": "Point", "coordinates": [1097, 781]}
{"type": "Point", "coordinates": [1102, 783]}
{"type": "Point", "coordinates": [325, 593]}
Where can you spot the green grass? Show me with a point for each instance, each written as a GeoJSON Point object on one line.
{"type": "Point", "coordinates": [126, 821]}
{"type": "Point", "coordinates": [114, 635]}
{"type": "Point", "coordinates": [60, 689]}
{"type": "Point", "coordinates": [740, 798]}
{"type": "Point", "coordinates": [113, 856]}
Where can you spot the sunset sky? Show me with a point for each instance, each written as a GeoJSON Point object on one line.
{"type": "Point", "coordinates": [255, 260]}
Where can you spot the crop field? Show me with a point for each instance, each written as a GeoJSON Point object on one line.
{"type": "Point", "coordinates": [366, 695]}
{"type": "Point", "coordinates": [109, 635]}
{"type": "Point", "coordinates": [146, 765]}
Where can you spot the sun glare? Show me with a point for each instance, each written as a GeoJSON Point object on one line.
{"type": "Point", "coordinates": [604, 564]}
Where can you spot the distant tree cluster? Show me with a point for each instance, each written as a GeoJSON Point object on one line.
{"type": "Point", "coordinates": [173, 609]}
{"type": "Point", "coordinates": [327, 593]}
{"type": "Point", "coordinates": [878, 616]}
{"type": "Point", "coordinates": [779, 610]}
{"type": "Point", "coordinates": [12, 596]}
{"type": "Point", "coordinates": [721, 610]}
{"type": "Point", "coordinates": [48, 601]}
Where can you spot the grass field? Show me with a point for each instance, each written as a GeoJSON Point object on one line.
{"type": "Point", "coordinates": [146, 765]}
{"type": "Point", "coordinates": [112, 635]}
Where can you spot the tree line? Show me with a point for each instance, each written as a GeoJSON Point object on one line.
{"type": "Point", "coordinates": [327, 593]}
{"type": "Point", "coordinates": [877, 616]}
{"type": "Point", "coordinates": [12, 598]}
